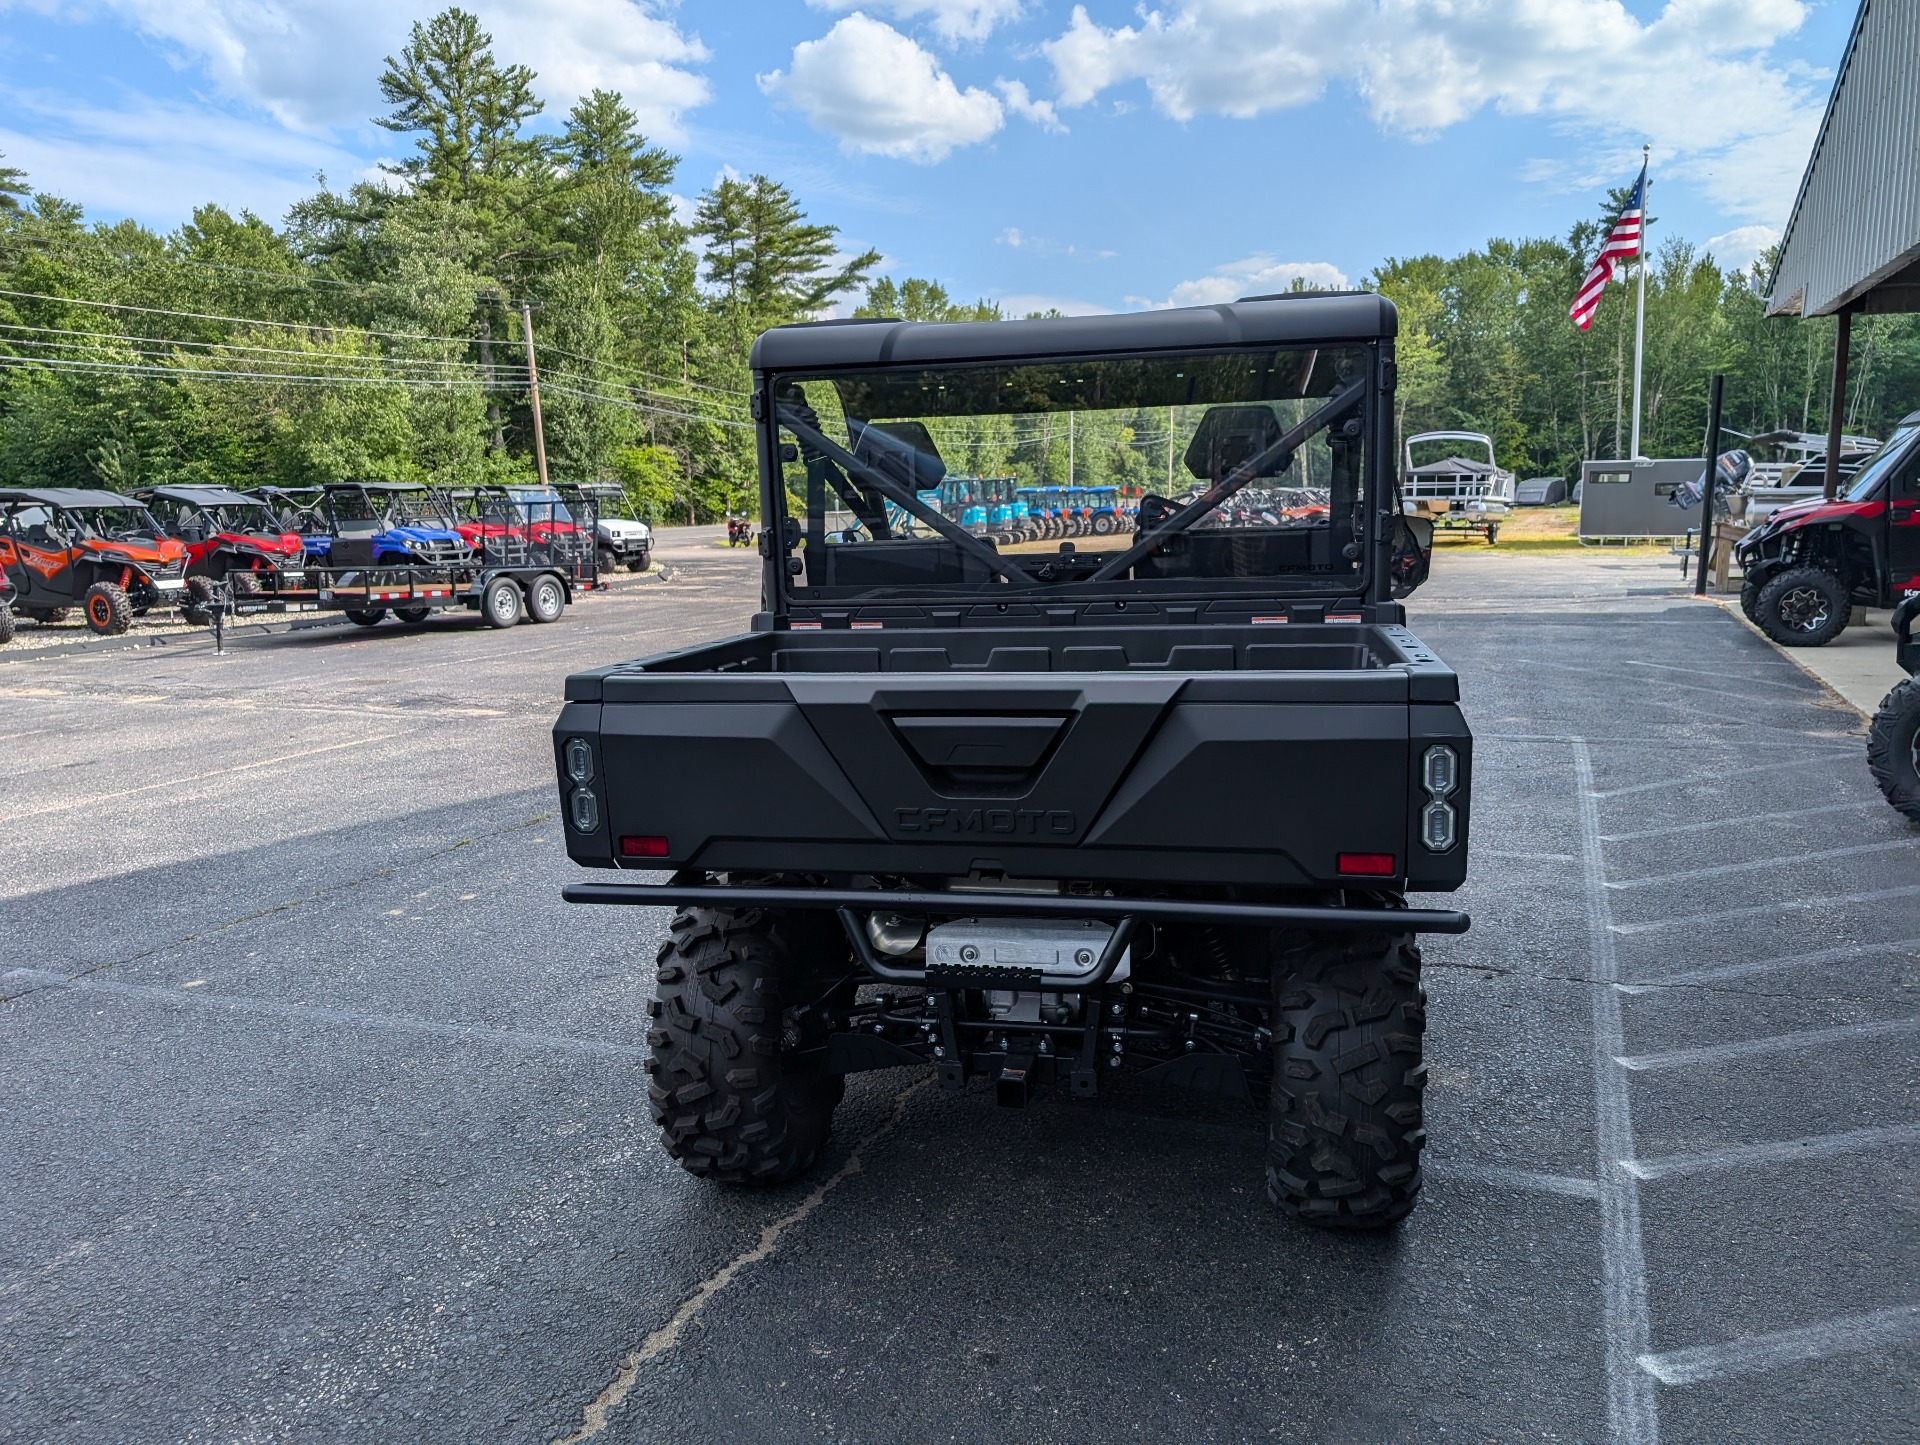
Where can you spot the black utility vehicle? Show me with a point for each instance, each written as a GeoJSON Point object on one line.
{"type": "Point", "coordinates": [1893, 741]}
{"type": "Point", "coordinates": [1045, 812]}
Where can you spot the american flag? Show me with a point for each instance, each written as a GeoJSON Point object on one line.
{"type": "Point", "coordinates": [1622, 244]}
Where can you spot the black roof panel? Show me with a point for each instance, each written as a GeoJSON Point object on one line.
{"type": "Point", "coordinates": [1304, 318]}
{"type": "Point", "coordinates": [203, 496]}
{"type": "Point", "coordinates": [66, 497]}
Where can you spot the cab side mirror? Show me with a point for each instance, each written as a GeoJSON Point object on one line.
{"type": "Point", "coordinates": [1412, 554]}
{"type": "Point", "coordinates": [789, 452]}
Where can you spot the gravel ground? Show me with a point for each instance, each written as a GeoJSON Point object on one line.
{"type": "Point", "coordinates": [325, 1119]}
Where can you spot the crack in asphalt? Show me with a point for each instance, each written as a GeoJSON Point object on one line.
{"type": "Point", "coordinates": [332, 888]}
{"type": "Point", "coordinates": [594, 1418]}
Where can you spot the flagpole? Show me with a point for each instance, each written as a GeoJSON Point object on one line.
{"type": "Point", "coordinates": [1640, 314]}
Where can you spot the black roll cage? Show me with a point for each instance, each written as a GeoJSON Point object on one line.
{"type": "Point", "coordinates": [1372, 583]}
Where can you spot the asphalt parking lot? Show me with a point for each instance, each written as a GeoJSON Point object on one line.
{"type": "Point", "coordinates": [325, 1119]}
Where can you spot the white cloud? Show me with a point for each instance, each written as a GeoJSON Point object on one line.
{"type": "Point", "coordinates": [1022, 104]}
{"type": "Point", "coordinates": [1696, 81]}
{"type": "Point", "coordinates": [314, 64]}
{"type": "Point", "coordinates": [952, 20]}
{"type": "Point", "coordinates": [151, 160]}
{"type": "Point", "coordinates": [1739, 248]}
{"type": "Point", "coordinates": [1011, 237]}
{"type": "Point", "coordinates": [1252, 276]}
{"type": "Point", "coordinates": [879, 92]}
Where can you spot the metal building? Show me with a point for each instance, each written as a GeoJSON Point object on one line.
{"type": "Point", "coordinates": [1852, 245]}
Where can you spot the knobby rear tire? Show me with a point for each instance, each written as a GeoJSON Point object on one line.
{"type": "Point", "coordinates": [1893, 747]}
{"type": "Point", "coordinates": [726, 1110]}
{"type": "Point", "coordinates": [1345, 1127]}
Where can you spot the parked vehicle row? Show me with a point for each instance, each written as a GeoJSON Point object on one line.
{"type": "Point", "coordinates": [367, 549]}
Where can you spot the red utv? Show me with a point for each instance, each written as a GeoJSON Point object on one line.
{"type": "Point", "coordinates": [1809, 565]}
{"type": "Point", "coordinates": [63, 547]}
{"type": "Point", "coordinates": [230, 538]}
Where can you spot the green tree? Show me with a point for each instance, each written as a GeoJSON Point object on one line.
{"type": "Point", "coordinates": [916, 300]}
{"type": "Point", "coordinates": [465, 109]}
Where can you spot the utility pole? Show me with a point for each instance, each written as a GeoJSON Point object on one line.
{"type": "Point", "coordinates": [533, 391]}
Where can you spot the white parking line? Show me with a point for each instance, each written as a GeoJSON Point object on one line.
{"type": "Point", "coordinates": [1780, 1151]}
{"type": "Point", "coordinates": [309, 1013]}
{"type": "Point", "coordinates": [1775, 1044]}
{"type": "Point", "coordinates": [1727, 870]}
{"type": "Point", "coordinates": [1633, 1411]}
{"type": "Point", "coordinates": [1717, 825]}
{"type": "Point", "coordinates": [1848, 1334]}
{"type": "Point", "coordinates": [1754, 966]}
{"type": "Point", "coordinates": [1756, 910]}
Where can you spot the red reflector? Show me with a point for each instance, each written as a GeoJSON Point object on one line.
{"type": "Point", "coordinates": [657, 848]}
{"type": "Point", "coordinates": [1367, 865]}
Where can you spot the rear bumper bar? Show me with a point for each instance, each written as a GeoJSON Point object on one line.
{"type": "Point", "coordinates": [1019, 905]}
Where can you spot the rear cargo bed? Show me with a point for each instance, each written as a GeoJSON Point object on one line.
{"type": "Point", "coordinates": [1153, 754]}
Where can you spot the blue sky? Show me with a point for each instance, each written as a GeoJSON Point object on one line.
{"type": "Point", "coordinates": [1099, 155]}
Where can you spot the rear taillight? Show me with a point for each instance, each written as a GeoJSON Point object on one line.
{"type": "Point", "coordinates": [643, 847]}
{"type": "Point", "coordinates": [1439, 775]}
{"type": "Point", "coordinates": [1366, 865]}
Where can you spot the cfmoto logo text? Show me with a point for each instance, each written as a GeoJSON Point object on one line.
{"type": "Point", "coordinates": [1054, 821]}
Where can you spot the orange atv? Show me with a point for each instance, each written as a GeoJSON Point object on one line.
{"type": "Point", "coordinates": [63, 547]}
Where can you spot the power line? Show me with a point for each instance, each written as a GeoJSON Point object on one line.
{"type": "Point", "coordinates": [638, 406]}
{"type": "Point", "coordinates": [467, 369]}
{"type": "Point", "coordinates": [27, 363]}
{"type": "Point", "coordinates": [239, 320]}
{"type": "Point", "coordinates": [638, 371]}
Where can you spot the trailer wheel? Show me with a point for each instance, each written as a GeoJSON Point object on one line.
{"type": "Point", "coordinates": [1804, 607]}
{"type": "Point", "coordinates": [369, 617]}
{"type": "Point", "coordinates": [109, 611]}
{"type": "Point", "coordinates": [1893, 747]}
{"type": "Point", "coordinates": [1493, 534]}
{"type": "Point", "coordinates": [726, 1108]}
{"type": "Point", "coordinates": [501, 604]}
{"type": "Point", "coordinates": [1344, 1127]}
{"type": "Point", "coordinates": [546, 600]}
{"type": "Point", "coordinates": [413, 616]}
